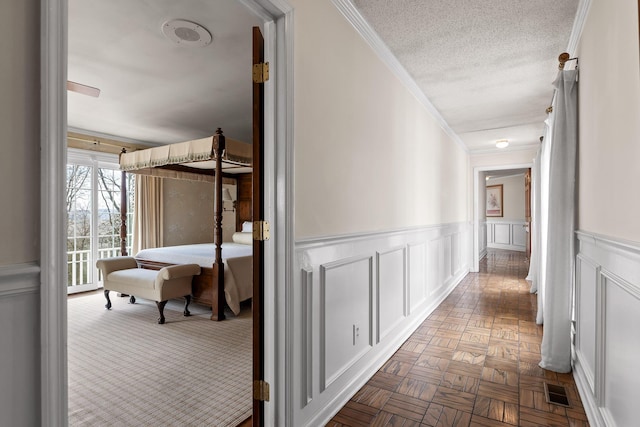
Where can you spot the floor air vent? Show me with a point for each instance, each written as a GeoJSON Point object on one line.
{"type": "Point", "coordinates": [556, 394]}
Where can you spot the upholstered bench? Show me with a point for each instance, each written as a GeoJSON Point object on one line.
{"type": "Point", "coordinates": [121, 274]}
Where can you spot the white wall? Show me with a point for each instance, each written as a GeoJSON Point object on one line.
{"type": "Point", "coordinates": [508, 232]}
{"type": "Point", "coordinates": [608, 261]}
{"type": "Point", "coordinates": [20, 215]}
{"type": "Point", "coordinates": [19, 131]}
{"type": "Point", "coordinates": [504, 157]}
{"type": "Point", "coordinates": [512, 196]}
{"type": "Point", "coordinates": [607, 340]}
{"type": "Point", "coordinates": [609, 106]}
{"type": "Point", "coordinates": [381, 214]}
{"type": "Point", "coordinates": [368, 156]}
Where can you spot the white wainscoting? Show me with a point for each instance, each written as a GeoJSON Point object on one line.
{"type": "Point", "coordinates": [356, 300]}
{"type": "Point", "coordinates": [20, 338]}
{"type": "Point", "coordinates": [511, 235]}
{"type": "Point", "coordinates": [607, 342]}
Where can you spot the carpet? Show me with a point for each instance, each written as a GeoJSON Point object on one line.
{"type": "Point", "coordinates": [127, 370]}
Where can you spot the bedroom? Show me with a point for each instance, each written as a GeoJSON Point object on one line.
{"type": "Point", "coordinates": [127, 62]}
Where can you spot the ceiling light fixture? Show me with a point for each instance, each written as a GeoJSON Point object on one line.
{"type": "Point", "coordinates": [502, 143]}
{"type": "Point", "coordinates": [186, 33]}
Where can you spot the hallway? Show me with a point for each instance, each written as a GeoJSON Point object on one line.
{"type": "Point", "coordinates": [472, 362]}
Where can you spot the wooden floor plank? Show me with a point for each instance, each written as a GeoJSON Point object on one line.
{"type": "Point", "coordinates": [406, 406]}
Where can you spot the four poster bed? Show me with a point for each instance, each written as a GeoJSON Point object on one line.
{"type": "Point", "coordinates": [226, 268]}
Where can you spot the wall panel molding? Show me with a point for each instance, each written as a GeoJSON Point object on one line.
{"type": "Point", "coordinates": [306, 286]}
{"type": "Point", "coordinates": [416, 275]}
{"type": "Point", "coordinates": [333, 346]}
{"type": "Point", "coordinates": [587, 315]}
{"type": "Point", "coordinates": [18, 279]}
{"type": "Point", "coordinates": [394, 263]}
{"type": "Point", "coordinates": [607, 281]}
{"type": "Point", "coordinates": [503, 234]}
{"type": "Point", "coordinates": [356, 299]}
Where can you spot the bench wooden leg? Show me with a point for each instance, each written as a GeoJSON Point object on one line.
{"type": "Point", "coordinates": [108, 304]}
{"type": "Point", "coordinates": [187, 300]}
{"type": "Point", "coordinates": [161, 305]}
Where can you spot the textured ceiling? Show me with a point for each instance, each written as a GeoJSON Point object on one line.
{"type": "Point", "coordinates": [486, 66]}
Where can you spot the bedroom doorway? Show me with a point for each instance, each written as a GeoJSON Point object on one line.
{"type": "Point", "coordinates": [278, 20]}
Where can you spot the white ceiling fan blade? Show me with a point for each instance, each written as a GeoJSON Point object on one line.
{"type": "Point", "coordinates": [83, 89]}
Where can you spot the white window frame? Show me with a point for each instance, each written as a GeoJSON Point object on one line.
{"type": "Point", "coordinates": [95, 160]}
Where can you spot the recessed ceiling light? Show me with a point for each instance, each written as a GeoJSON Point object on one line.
{"type": "Point", "coordinates": [186, 33]}
{"type": "Point", "coordinates": [502, 143]}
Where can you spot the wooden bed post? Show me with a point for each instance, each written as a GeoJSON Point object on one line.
{"type": "Point", "coordinates": [123, 211]}
{"type": "Point", "coordinates": [217, 305]}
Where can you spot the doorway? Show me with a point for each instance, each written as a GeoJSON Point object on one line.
{"type": "Point", "coordinates": [277, 18]}
{"type": "Point", "coordinates": [480, 217]}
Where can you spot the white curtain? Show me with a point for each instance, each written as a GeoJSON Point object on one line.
{"type": "Point", "coordinates": [534, 231]}
{"type": "Point", "coordinates": [556, 268]}
{"type": "Point", "coordinates": [539, 208]}
{"type": "Point", "coordinates": [147, 232]}
{"type": "Point", "coordinates": [543, 211]}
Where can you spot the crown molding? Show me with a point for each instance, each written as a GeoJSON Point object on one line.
{"type": "Point", "coordinates": [578, 26]}
{"type": "Point", "coordinates": [372, 38]}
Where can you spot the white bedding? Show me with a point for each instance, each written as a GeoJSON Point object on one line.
{"type": "Point", "coordinates": [238, 273]}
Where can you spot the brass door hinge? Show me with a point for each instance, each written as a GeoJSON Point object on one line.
{"type": "Point", "coordinates": [261, 231]}
{"type": "Point", "coordinates": [261, 390]}
{"type": "Point", "coordinates": [261, 72]}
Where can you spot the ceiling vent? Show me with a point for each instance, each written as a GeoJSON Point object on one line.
{"type": "Point", "coordinates": [186, 33]}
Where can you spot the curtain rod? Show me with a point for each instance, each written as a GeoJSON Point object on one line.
{"type": "Point", "coordinates": [562, 59]}
{"type": "Point", "coordinates": [93, 141]}
{"type": "Point", "coordinates": [565, 57]}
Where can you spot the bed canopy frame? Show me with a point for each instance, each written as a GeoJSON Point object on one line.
{"type": "Point", "coordinates": [208, 159]}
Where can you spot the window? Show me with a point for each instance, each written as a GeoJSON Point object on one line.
{"type": "Point", "coordinates": [93, 212]}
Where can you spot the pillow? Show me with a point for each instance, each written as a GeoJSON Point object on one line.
{"type": "Point", "coordinates": [244, 238]}
{"type": "Point", "coordinates": [247, 226]}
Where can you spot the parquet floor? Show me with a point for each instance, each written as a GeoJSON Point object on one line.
{"type": "Point", "coordinates": [472, 362]}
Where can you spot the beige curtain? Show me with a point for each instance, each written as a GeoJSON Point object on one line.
{"type": "Point", "coordinates": [147, 232]}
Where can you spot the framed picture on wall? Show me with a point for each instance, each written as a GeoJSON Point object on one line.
{"type": "Point", "coordinates": [494, 200]}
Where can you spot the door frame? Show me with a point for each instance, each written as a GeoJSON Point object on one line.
{"type": "Point", "coordinates": [475, 266]}
{"type": "Point", "coordinates": [278, 31]}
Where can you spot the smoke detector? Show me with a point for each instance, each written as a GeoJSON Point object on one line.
{"type": "Point", "coordinates": [186, 33]}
